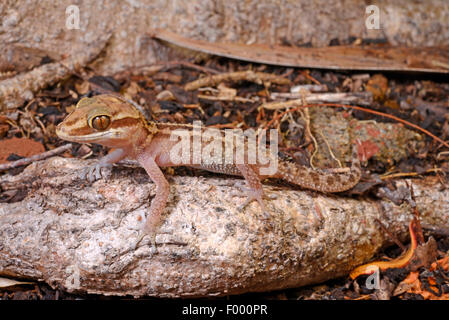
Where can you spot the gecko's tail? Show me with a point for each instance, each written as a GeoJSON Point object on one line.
{"type": "Point", "coordinates": [328, 181]}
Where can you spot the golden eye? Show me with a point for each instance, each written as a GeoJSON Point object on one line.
{"type": "Point", "coordinates": [100, 123]}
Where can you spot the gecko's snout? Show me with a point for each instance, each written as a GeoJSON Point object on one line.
{"type": "Point", "coordinates": [60, 130]}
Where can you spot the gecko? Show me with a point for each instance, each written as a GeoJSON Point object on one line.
{"type": "Point", "coordinates": [112, 121]}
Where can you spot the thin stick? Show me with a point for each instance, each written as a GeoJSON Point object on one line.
{"type": "Point", "coordinates": [330, 149]}
{"type": "Point", "coordinates": [391, 235]}
{"type": "Point", "coordinates": [36, 157]}
{"type": "Point", "coordinates": [441, 154]}
{"type": "Point", "coordinates": [408, 174]}
{"type": "Point", "coordinates": [186, 64]}
{"type": "Point", "coordinates": [309, 132]}
{"type": "Point", "coordinates": [305, 97]}
{"type": "Point", "coordinates": [257, 77]}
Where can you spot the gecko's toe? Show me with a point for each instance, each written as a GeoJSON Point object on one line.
{"type": "Point", "coordinates": [93, 173]}
{"type": "Point", "coordinates": [142, 234]}
{"type": "Point", "coordinates": [83, 173]}
{"type": "Point", "coordinates": [244, 204]}
{"type": "Point", "coordinates": [140, 237]}
{"type": "Point", "coordinates": [241, 184]}
{"type": "Point", "coordinates": [98, 172]}
{"type": "Point", "coordinates": [244, 192]}
{"type": "Point", "coordinates": [235, 193]}
{"type": "Point", "coordinates": [254, 196]}
{"type": "Point", "coordinates": [91, 176]}
{"type": "Point", "coordinates": [88, 174]}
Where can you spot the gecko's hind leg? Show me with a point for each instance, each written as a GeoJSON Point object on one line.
{"type": "Point", "coordinates": [255, 190]}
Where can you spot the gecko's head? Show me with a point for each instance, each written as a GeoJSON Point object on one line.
{"type": "Point", "coordinates": [105, 119]}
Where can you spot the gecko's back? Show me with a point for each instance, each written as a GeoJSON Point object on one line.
{"type": "Point", "coordinates": [222, 151]}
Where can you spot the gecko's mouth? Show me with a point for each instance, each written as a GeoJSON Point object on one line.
{"type": "Point", "coordinates": [86, 138]}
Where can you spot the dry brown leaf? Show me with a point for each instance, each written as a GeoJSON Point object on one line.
{"type": "Point", "coordinates": [8, 283]}
{"type": "Point", "coordinates": [378, 86]}
{"type": "Point", "coordinates": [422, 59]}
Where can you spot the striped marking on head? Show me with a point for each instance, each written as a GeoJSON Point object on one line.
{"type": "Point", "coordinates": [100, 117]}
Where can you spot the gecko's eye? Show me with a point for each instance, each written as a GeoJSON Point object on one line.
{"type": "Point", "coordinates": [100, 123]}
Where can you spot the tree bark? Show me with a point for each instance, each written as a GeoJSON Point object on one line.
{"type": "Point", "coordinates": [81, 237]}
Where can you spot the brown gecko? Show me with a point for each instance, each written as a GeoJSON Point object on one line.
{"type": "Point", "coordinates": [114, 122]}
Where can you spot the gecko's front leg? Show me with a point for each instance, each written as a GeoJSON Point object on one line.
{"type": "Point", "coordinates": [93, 172]}
{"type": "Point", "coordinates": [160, 200]}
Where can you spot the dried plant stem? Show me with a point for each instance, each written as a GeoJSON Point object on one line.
{"type": "Point", "coordinates": [304, 97]}
{"type": "Point", "coordinates": [408, 174]}
{"type": "Point", "coordinates": [257, 77]}
{"type": "Point", "coordinates": [37, 157]}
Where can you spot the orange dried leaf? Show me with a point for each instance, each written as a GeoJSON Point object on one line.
{"type": "Point", "coordinates": [443, 263]}
{"type": "Point", "coordinates": [412, 277]}
{"type": "Point", "coordinates": [392, 264]}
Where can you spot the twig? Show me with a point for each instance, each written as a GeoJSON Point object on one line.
{"type": "Point", "coordinates": [309, 132]}
{"type": "Point", "coordinates": [39, 122]}
{"type": "Point", "coordinates": [257, 77]}
{"type": "Point", "coordinates": [186, 64]}
{"type": "Point", "coordinates": [150, 70]}
{"type": "Point", "coordinates": [13, 124]}
{"type": "Point", "coordinates": [441, 154]}
{"type": "Point", "coordinates": [407, 174]}
{"type": "Point", "coordinates": [214, 98]}
{"type": "Point", "coordinates": [37, 157]}
{"type": "Point", "coordinates": [330, 149]}
{"type": "Point", "coordinates": [356, 98]}
{"type": "Point", "coordinates": [441, 231]}
{"type": "Point", "coordinates": [309, 87]}
{"type": "Point", "coordinates": [391, 235]}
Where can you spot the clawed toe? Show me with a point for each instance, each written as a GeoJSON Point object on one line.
{"type": "Point", "coordinates": [83, 174]}
{"type": "Point", "coordinates": [91, 176]}
{"type": "Point", "coordinates": [142, 234]}
{"type": "Point", "coordinates": [93, 173]}
{"type": "Point", "coordinates": [243, 188]}
{"type": "Point", "coordinates": [254, 196]}
{"type": "Point", "coordinates": [98, 172]}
